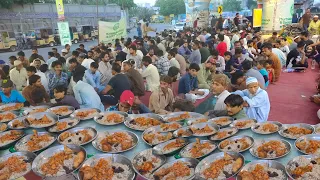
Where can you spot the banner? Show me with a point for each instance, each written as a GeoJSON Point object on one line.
{"type": "Point", "coordinates": [64, 33]}
{"type": "Point", "coordinates": [197, 9]}
{"type": "Point", "coordinates": [60, 9]}
{"type": "Point", "coordinates": [276, 14]}
{"type": "Point", "coordinates": [257, 17]}
{"type": "Point", "coordinates": [109, 31]}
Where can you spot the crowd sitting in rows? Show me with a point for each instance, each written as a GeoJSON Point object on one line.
{"type": "Point", "coordinates": [117, 75]}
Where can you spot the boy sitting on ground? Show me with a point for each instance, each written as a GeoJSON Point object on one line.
{"type": "Point", "coordinates": [63, 99]}
{"type": "Point", "coordinates": [189, 82]}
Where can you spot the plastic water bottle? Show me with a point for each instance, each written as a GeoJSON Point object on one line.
{"type": "Point", "coordinates": [313, 64]}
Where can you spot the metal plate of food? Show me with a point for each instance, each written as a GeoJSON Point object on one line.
{"type": "Point", "coordinates": [11, 107]}
{"type": "Point", "coordinates": [205, 166]}
{"type": "Point", "coordinates": [268, 127]}
{"type": "Point", "coordinates": [270, 148]}
{"type": "Point", "coordinates": [79, 136]}
{"type": "Point", "coordinates": [183, 132]}
{"type": "Point", "coordinates": [198, 149]}
{"type": "Point", "coordinates": [152, 136]}
{"type": "Point", "coordinates": [204, 129]}
{"type": "Point", "coordinates": [62, 111]}
{"type": "Point", "coordinates": [113, 166]}
{"type": "Point", "coordinates": [180, 116]}
{"type": "Point", "coordinates": [59, 160]}
{"type": "Point", "coordinates": [22, 164]}
{"type": "Point", "coordinates": [317, 128]}
{"type": "Point", "coordinates": [3, 127]}
{"type": "Point", "coordinates": [41, 120]}
{"type": "Point", "coordinates": [222, 121]}
{"type": "Point", "coordinates": [144, 158]}
{"type": "Point", "coordinates": [110, 118]}
{"type": "Point", "coordinates": [169, 127]}
{"type": "Point", "coordinates": [35, 142]}
{"type": "Point", "coordinates": [63, 124]}
{"type": "Point", "coordinates": [294, 131]}
{"type": "Point", "coordinates": [141, 122]}
{"type": "Point", "coordinates": [243, 123]}
{"type": "Point", "coordinates": [193, 121]}
{"type": "Point", "coordinates": [271, 168]}
{"type": "Point", "coordinates": [85, 114]}
{"type": "Point", "coordinates": [7, 138]}
{"type": "Point", "coordinates": [170, 147]}
{"type": "Point", "coordinates": [308, 144]}
{"type": "Point", "coordinates": [35, 109]}
{"type": "Point", "coordinates": [18, 123]}
{"type": "Point", "coordinates": [303, 167]}
{"type": "Point", "coordinates": [183, 168]}
{"type": "Point", "coordinates": [8, 116]}
{"type": "Point", "coordinates": [236, 144]}
{"type": "Point", "coordinates": [224, 133]}
{"type": "Point", "coordinates": [115, 141]}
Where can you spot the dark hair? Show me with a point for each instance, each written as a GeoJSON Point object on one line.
{"type": "Point", "coordinates": [301, 44]}
{"type": "Point", "coordinates": [55, 63]}
{"type": "Point", "coordinates": [33, 79]}
{"type": "Point", "coordinates": [104, 54]}
{"type": "Point", "coordinates": [90, 51]}
{"type": "Point", "coordinates": [194, 66]}
{"type": "Point", "coordinates": [203, 44]}
{"type": "Point", "coordinates": [81, 45]}
{"type": "Point", "coordinates": [31, 69]}
{"type": "Point", "coordinates": [184, 105]}
{"type": "Point", "coordinates": [152, 41]}
{"type": "Point", "coordinates": [175, 50]}
{"type": "Point", "coordinates": [116, 67]}
{"type": "Point", "coordinates": [77, 77]}
{"type": "Point", "coordinates": [235, 76]}
{"type": "Point", "coordinates": [159, 53]}
{"type": "Point", "coordinates": [173, 71]}
{"type": "Point", "coordinates": [238, 51]}
{"type": "Point", "coordinates": [73, 60]}
{"type": "Point", "coordinates": [34, 48]}
{"type": "Point", "coordinates": [61, 88]}
{"type": "Point", "coordinates": [130, 62]}
{"type": "Point", "coordinates": [246, 65]}
{"type": "Point", "coordinates": [274, 33]}
{"type": "Point", "coordinates": [37, 95]}
{"type": "Point", "coordinates": [62, 60]}
{"type": "Point", "coordinates": [254, 37]}
{"type": "Point", "coordinates": [172, 53]}
{"type": "Point", "coordinates": [158, 40]}
{"type": "Point", "coordinates": [44, 67]}
{"type": "Point", "coordinates": [197, 43]}
{"type": "Point", "coordinates": [147, 59]}
{"type": "Point", "coordinates": [133, 47]}
{"type": "Point", "coordinates": [221, 37]}
{"type": "Point", "coordinates": [6, 70]}
{"type": "Point", "coordinates": [304, 33]}
{"type": "Point", "coordinates": [166, 78]}
{"type": "Point", "coordinates": [269, 62]}
{"type": "Point", "coordinates": [13, 57]}
{"type": "Point", "coordinates": [21, 53]}
{"type": "Point", "coordinates": [234, 100]}
{"type": "Point", "coordinates": [227, 53]}
{"type": "Point", "coordinates": [94, 65]}
{"type": "Point", "coordinates": [278, 41]}
{"type": "Point", "coordinates": [249, 41]}
{"type": "Point", "coordinates": [214, 52]}
{"type": "Point", "coordinates": [236, 42]}
{"type": "Point", "coordinates": [75, 53]}
{"type": "Point", "coordinates": [65, 46]}
{"type": "Point", "coordinates": [55, 49]}
{"type": "Point", "coordinates": [50, 53]}
{"type": "Point", "coordinates": [267, 45]}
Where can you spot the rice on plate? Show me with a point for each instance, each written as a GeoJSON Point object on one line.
{"type": "Point", "coordinates": [224, 133]}
{"type": "Point", "coordinates": [236, 144]}
{"type": "Point", "coordinates": [142, 123]}
{"type": "Point", "coordinates": [294, 131]}
{"type": "Point", "coordinates": [266, 127]}
{"type": "Point", "coordinates": [170, 146]}
{"type": "Point", "coordinates": [270, 148]}
{"type": "Point", "coordinates": [110, 118]}
{"type": "Point", "coordinates": [146, 162]}
{"type": "Point", "coordinates": [263, 169]}
{"type": "Point", "coordinates": [304, 167]}
{"type": "Point", "coordinates": [62, 110]}
{"type": "Point", "coordinates": [198, 149]}
{"type": "Point", "coordinates": [166, 127]}
{"type": "Point", "coordinates": [18, 123]}
{"type": "Point", "coordinates": [309, 144]}
{"type": "Point", "coordinates": [85, 114]}
{"type": "Point", "coordinates": [9, 137]}
{"type": "Point", "coordinates": [7, 116]}
{"type": "Point", "coordinates": [3, 127]}
{"type": "Point", "coordinates": [222, 121]}
{"type": "Point", "coordinates": [41, 120]}
{"type": "Point", "coordinates": [244, 123]}
{"type": "Point", "coordinates": [64, 124]}
{"type": "Point", "coordinates": [183, 132]}
{"type": "Point", "coordinates": [78, 136]}
{"type": "Point", "coordinates": [35, 142]}
{"type": "Point", "coordinates": [152, 137]}
{"type": "Point", "coordinates": [204, 129]}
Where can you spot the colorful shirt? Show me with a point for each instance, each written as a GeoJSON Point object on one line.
{"type": "Point", "coordinates": [163, 65]}
{"type": "Point", "coordinates": [57, 80]}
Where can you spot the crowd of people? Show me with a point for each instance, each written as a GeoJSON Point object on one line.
{"type": "Point", "coordinates": [236, 66]}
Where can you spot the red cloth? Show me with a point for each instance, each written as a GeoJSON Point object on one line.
{"type": "Point", "coordinates": [222, 48]}
{"type": "Point", "coordinates": [195, 24]}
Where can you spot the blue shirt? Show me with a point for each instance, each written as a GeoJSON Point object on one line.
{"type": "Point", "coordinates": [195, 57]}
{"type": "Point", "coordinates": [15, 97]}
{"type": "Point", "coordinates": [93, 79]}
{"type": "Point", "coordinates": [259, 104]}
{"type": "Point", "coordinates": [51, 60]}
{"type": "Point", "coordinates": [86, 96]}
{"type": "Point", "coordinates": [187, 83]}
{"type": "Point", "coordinates": [265, 75]}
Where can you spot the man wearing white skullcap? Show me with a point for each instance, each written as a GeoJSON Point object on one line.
{"type": "Point", "coordinates": [257, 104]}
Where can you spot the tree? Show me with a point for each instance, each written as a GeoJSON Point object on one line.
{"type": "Point", "coordinates": [168, 7]}
{"type": "Point", "coordinates": [231, 5]}
{"type": "Point", "coordinates": [252, 4]}
{"type": "Point", "coordinates": [8, 3]}
{"type": "Point", "coordinates": [141, 12]}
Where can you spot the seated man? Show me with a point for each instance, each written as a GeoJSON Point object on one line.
{"type": "Point", "coordinates": [204, 74]}
{"type": "Point", "coordinates": [189, 82]}
{"type": "Point", "coordinates": [85, 94]}
{"type": "Point", "coordinates": [219, 89]}
{"type": "Point", "coordinates": [161, 101]}
{"type": "Point", "coordinates": [129, 104]}
{"type": "Point", "coordinates": [297, 57]}
{"type": "Point", "coordinates": [257, 104]}
{"type": "Point", "coordinates": [93, 76]}
{"type": "Point", "coordinates": [250, 72]}
{"type": "Point", "coordinates": [64, 100]}
{"type": "Point", "coordinates": [35, 85]}
{"type": "Point", "coordinates": [10, 95]}
{"type": "Point", "coordinates": [234, 108]}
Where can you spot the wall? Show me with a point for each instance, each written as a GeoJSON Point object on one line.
{"type": "Point", "coordinates": [28, 17]}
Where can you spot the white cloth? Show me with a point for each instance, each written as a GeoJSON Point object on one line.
{"type": "Point", "coordinates": [87, 62]}
{"type": "Point", "coordinates": [152, 77]}
{"type": "Point", "coordinates": [106, 72]}
{"type": "Point", "coordinates": [220, 105]}
{"type": "Point", "coordinates": [174, 62]}
{"type": "Point", "coordinates": [227, 41]}
{"type": "Point", "coordinates": [19, 78]}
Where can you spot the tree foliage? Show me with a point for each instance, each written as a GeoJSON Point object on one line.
{"type": "Point", "coordinates": [9, 3]}
{"type": "Point", "coordinates": [168, 7]}
{"type": "Point", "coordinates": [252, 4]}
{"type": "Point", "coordinates": [231, 5]}
{"type": "Point", "coordinates": [141, 12]}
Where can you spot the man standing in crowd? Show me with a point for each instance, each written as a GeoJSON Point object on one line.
{"type": "Point", "coordinates": [105, 68]}
{"type": "Point", "coordinates": [195, 54]}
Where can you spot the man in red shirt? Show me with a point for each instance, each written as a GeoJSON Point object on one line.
{"type": "Point", "coordinates": [195, 23]}
{"type": "Point", "coordinates": [222, 46]}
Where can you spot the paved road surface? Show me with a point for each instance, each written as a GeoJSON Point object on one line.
{"type": "Point", "coordinates": [44, 51]}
